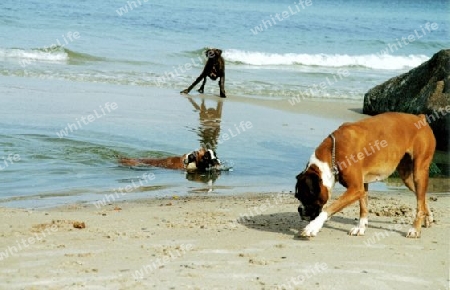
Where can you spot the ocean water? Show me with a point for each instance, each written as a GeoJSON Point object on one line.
{"type": "Point", "coordinates": [280, 49]}
{"type": "Point", "coordinates": [53, 53]}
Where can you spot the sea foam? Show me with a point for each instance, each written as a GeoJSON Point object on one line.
{"type": "Point", "coordinates": [34, 54]}
{"type": "Point", "coordinates": [372, 61]}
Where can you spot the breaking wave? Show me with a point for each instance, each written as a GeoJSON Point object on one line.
{"type": "Point", "coordinates": [373, 61]}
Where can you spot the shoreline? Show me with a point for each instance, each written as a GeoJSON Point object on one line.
{"type": "Point", "coordinates": [298, 131]}
{"type": "Point", "coordinates": [230, 240]}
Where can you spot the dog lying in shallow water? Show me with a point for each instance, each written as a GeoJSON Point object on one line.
{"type": "Point", "coordinates": [200, 160]}
{"type": "Point", "coordinates": [214, 68]}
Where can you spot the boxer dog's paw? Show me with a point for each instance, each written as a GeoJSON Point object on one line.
{"type": "Point", "coordinates": [428, 220]}
{"type": "Point", "coordinates": [186, 91]}
{"type": "Point", "coordinates": [357, 231]}
{"type": "Point", "coordinates": [314, 226]}
{"type": "Point", "coordinates": [413, 233]}
{"type": "Point", "coordinates": [309, 231]}
{"type": "Point", "coordinates": [360, 229]}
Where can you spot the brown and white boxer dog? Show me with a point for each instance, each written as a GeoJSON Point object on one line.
{"type": "Point", "coordinates": [366, 151]}
{"type": "Point", "coordinates": [200, 160]}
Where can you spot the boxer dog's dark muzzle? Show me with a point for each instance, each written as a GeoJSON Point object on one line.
{"type": "Point", "coordinates": [191, 157]}
{"type": "Point", "coordinates": [307, 191]}
{"type": "Point", "coordinates": [308, 213]}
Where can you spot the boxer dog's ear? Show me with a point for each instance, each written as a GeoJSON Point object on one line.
{"type": "Point", "coordinates": [218, 52]}
{"type": "Point", "coordinates": [307, 191]}
{"type": "Point", "coordinates": [308, 186]}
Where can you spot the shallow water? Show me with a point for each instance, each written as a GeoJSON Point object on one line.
{"type": "Point", "coordinates": [69, 136]}
{"type": "Point", "coordinates": [65, 145]}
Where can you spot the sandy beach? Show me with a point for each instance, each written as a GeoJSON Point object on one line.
{"type": "Point", "coordinates": [215, 242]}
{"type": "Point", "coordinates": [195, 239]}
{"type": "Point", "coordinates": [86, 83]}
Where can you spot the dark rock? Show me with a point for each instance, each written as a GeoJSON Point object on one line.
{"type": "Point", "coordinates": [423, 90]}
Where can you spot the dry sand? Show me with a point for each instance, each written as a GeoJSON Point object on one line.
{"type": "Point", "coordinates": [221, 242]}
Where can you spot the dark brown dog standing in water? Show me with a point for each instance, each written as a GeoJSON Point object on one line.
{"type": "Point", "coordinates": [214, 68]}
{"type": "Point", "coordinates": [200, 160]}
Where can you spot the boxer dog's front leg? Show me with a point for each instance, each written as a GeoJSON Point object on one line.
{"type": "Point", "coordinates": [222, 86]}
{"type": "Point", "coordinates": [201, 90]}
{"type": "Point", "coordinates": [351, 195]}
